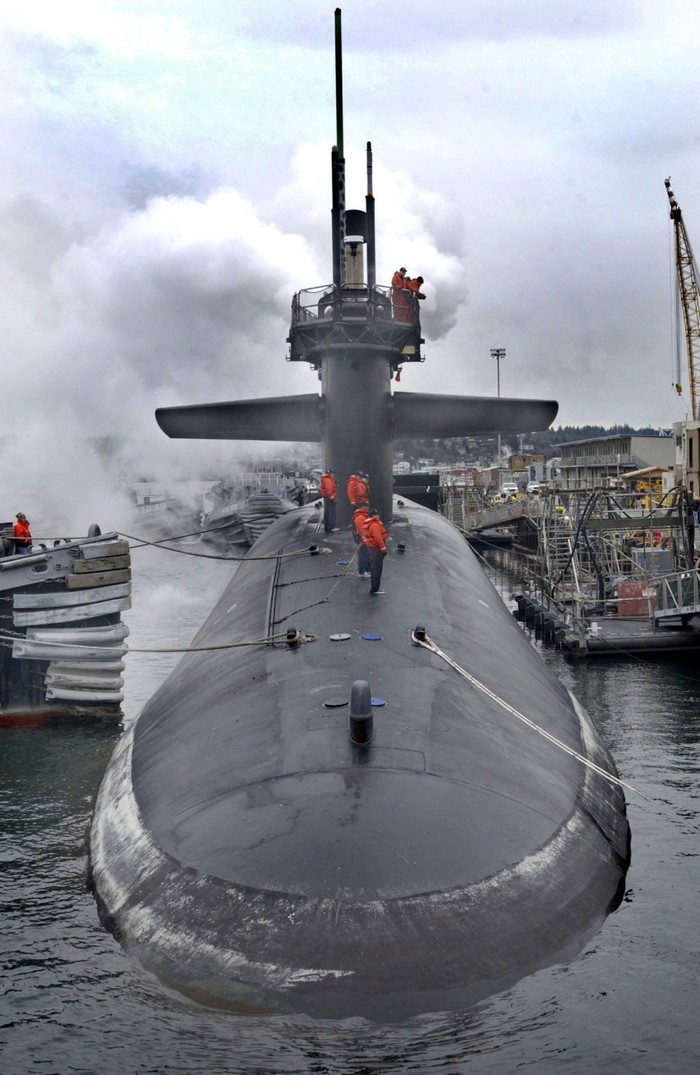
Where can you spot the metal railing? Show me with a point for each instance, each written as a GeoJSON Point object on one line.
{"type": "Point", "coordinates": [678, 594]}
{"type": "Point", "coordinates": [330, 303]}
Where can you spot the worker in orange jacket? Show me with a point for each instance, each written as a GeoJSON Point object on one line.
{"type": "Point", "coordinates": [374, 537]}
{"type": "Point", "coordinates": [328, 488]}
{"type": "Point", "coordinates": [414, 286]}
{"type": "Point", "coordinates": [413, 293]}
{"type": "Point", "coordinates": [400, 296]}
{"type": "Point", "coordinates": [358, 489]}
{"type": "Point", "coordinates": [359, 518]}
{"type": "Point", "coordinates": [23, 537]}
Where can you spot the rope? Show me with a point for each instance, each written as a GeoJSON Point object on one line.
{"type": "Point", "coordinates": [322, 600]}
{"type": "Point", "coordinates": [427, 643]}
{"type": "Point", "coordinates": [142, 543]}
{"type": "Point", "coordinates": [298, 638]}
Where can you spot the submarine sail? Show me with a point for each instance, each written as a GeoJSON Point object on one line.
{"type": "Point", "coordinates": [337, 803]}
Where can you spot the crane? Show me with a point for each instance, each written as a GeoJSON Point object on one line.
{"type": "Point", "coordinates": [687, 273]}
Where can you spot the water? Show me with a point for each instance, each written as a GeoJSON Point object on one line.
{"type": "Point", "coordinates": [73, 1002]}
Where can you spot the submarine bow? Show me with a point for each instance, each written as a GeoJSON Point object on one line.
{"type": "Point", "coordinates": [315, 812]}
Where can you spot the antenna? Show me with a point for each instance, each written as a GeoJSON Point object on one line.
{"type": "Point", "coordinates": [339, 84]}
{"type": "Point", "coordinates": [338, 166]}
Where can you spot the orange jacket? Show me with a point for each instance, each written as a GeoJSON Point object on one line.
{"type": "Point", "coordinates": [360, 517]}
{"type": "Point", "coordinates": [401, 297]}
{"type": "Point", "coordinates": [374, 533]}
{"type": "Point", "coordinates": [398, 280]}
{"type": "Point", "coordinates": [328, 486]}
{"type": "Point", "coordinates": [22, 536]}
{"type": "Point", "coordinates": [357, 489]}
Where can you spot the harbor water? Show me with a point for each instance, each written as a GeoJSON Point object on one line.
{"type": "Point", "coordinates": [74, 1002]}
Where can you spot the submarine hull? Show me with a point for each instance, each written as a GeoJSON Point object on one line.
{"type": "Point", "coordinates": [255, 858]}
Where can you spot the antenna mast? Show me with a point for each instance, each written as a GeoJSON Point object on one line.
{"type": "Point", "coordinates": [338, 165]}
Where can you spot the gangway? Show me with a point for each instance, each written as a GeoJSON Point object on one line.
{"type": "Point", "coordinates": [474, 518]}
{"type": "Point", "coordinates": [678, 595]}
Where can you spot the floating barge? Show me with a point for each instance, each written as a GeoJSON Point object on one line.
{"type": "Point", "coordinates": [62, 640]}
{"type": "Point", "coordinates": [615, 636]}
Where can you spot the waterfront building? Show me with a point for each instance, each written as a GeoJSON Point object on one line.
{"type": "Point", "coordinates": [602, 462]}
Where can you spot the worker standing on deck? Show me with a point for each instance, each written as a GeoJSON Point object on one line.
{"type": "Point", "coordinates": [374, 537]}
{"type": "Point", "coordinates": [359, 518]}
{"type": "Point", "coordinates": [328, 489]}
{"type": "Point", "coordinates": [23, 537]}
{"type": "Point", "coordinates": [352, 490]}
{"type": "Point", "coordinates": [358, 489]}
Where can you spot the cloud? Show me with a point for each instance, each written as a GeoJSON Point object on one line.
{"type": "Point", "coordinates": [166, 189]}
{"type": "Point", "coordinates": [180, 302]}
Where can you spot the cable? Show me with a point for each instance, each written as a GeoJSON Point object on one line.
{"type": "Point", "coordinates": [299, 637]}
{"type": "Point", "coordinates": [211, 556]}
{"type": "Point", "coordinates": [427, 643]}
{"type": "Point", "coordinates": [322, 600]}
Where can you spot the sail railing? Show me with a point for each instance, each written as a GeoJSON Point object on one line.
{"type": "Point", "coordinates": [327, 303]}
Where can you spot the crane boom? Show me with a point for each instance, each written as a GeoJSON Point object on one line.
{"type": "Point", "coordinates": [687, 273]}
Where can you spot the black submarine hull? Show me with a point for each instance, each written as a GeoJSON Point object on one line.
{"type": "Point", "coordinates": [256, 859]}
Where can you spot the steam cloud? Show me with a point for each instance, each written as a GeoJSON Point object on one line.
{"type": "Point", "coordinates": [184, 300]}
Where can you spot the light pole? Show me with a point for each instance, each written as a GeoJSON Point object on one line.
{"type": "Point", "coordinates": [498, 353]}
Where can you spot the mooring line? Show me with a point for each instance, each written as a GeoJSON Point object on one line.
{"type": "Point", "coordinates": [300, 637]}
{"type": "Point", "coordinates": [142, 543]}
{"type": "Point", "coordinates": [427, 643]}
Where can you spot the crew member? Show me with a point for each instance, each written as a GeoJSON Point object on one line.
{"type": "Point", "coordinates": [400, 295]}
{"type": "Point", "coordinates": [398, 280]}
{"type": "Point", "coordinates": [329, 488]}
{"type": "Point", "coordinates": [23, 538]}
{"type": "Point", "coordinates": [359, 518]}
{"type": "Point", "coordinates": [352, 490]}
{"type": "Point", "coordinates": [415, 285]}
{"type": "Point", "coordinates": [358, 488]}
{"type": "Point", "coordinates": [374, 537]}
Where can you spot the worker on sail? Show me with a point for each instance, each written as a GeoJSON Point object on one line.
{"type": "Point", "coordinates": [23, 537]}
{"type": "Point", "coordinates": [400, 295]}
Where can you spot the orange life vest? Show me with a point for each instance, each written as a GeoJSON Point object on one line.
{"type": "Point", "coordinates": [374, 533]}
{"type": "Point", "coordinates": [360, 517]}
{"type": "Point", "coordinates": [328, 486]}
{"type": "Point", "coordinates": [22, 536]}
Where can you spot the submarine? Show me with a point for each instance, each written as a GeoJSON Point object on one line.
{"type": "Point", "coordinates": [352, 805]}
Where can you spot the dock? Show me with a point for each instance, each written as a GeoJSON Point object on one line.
{"type": "Point", "coordinates": [62, 642]}
{"type": "Point", "coordinates": [603, 577]}
{"type": "Point", "coordinates": [609, 635]}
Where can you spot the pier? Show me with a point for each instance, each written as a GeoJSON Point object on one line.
{"type": "Point", "coordinates": [603, 577]}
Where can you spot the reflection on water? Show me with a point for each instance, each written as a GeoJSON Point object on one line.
{"type": "Point", "coordinates": [74, 1002]}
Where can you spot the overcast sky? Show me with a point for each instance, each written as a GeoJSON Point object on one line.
{"type": "Point", "coordinates": [165, 189]}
